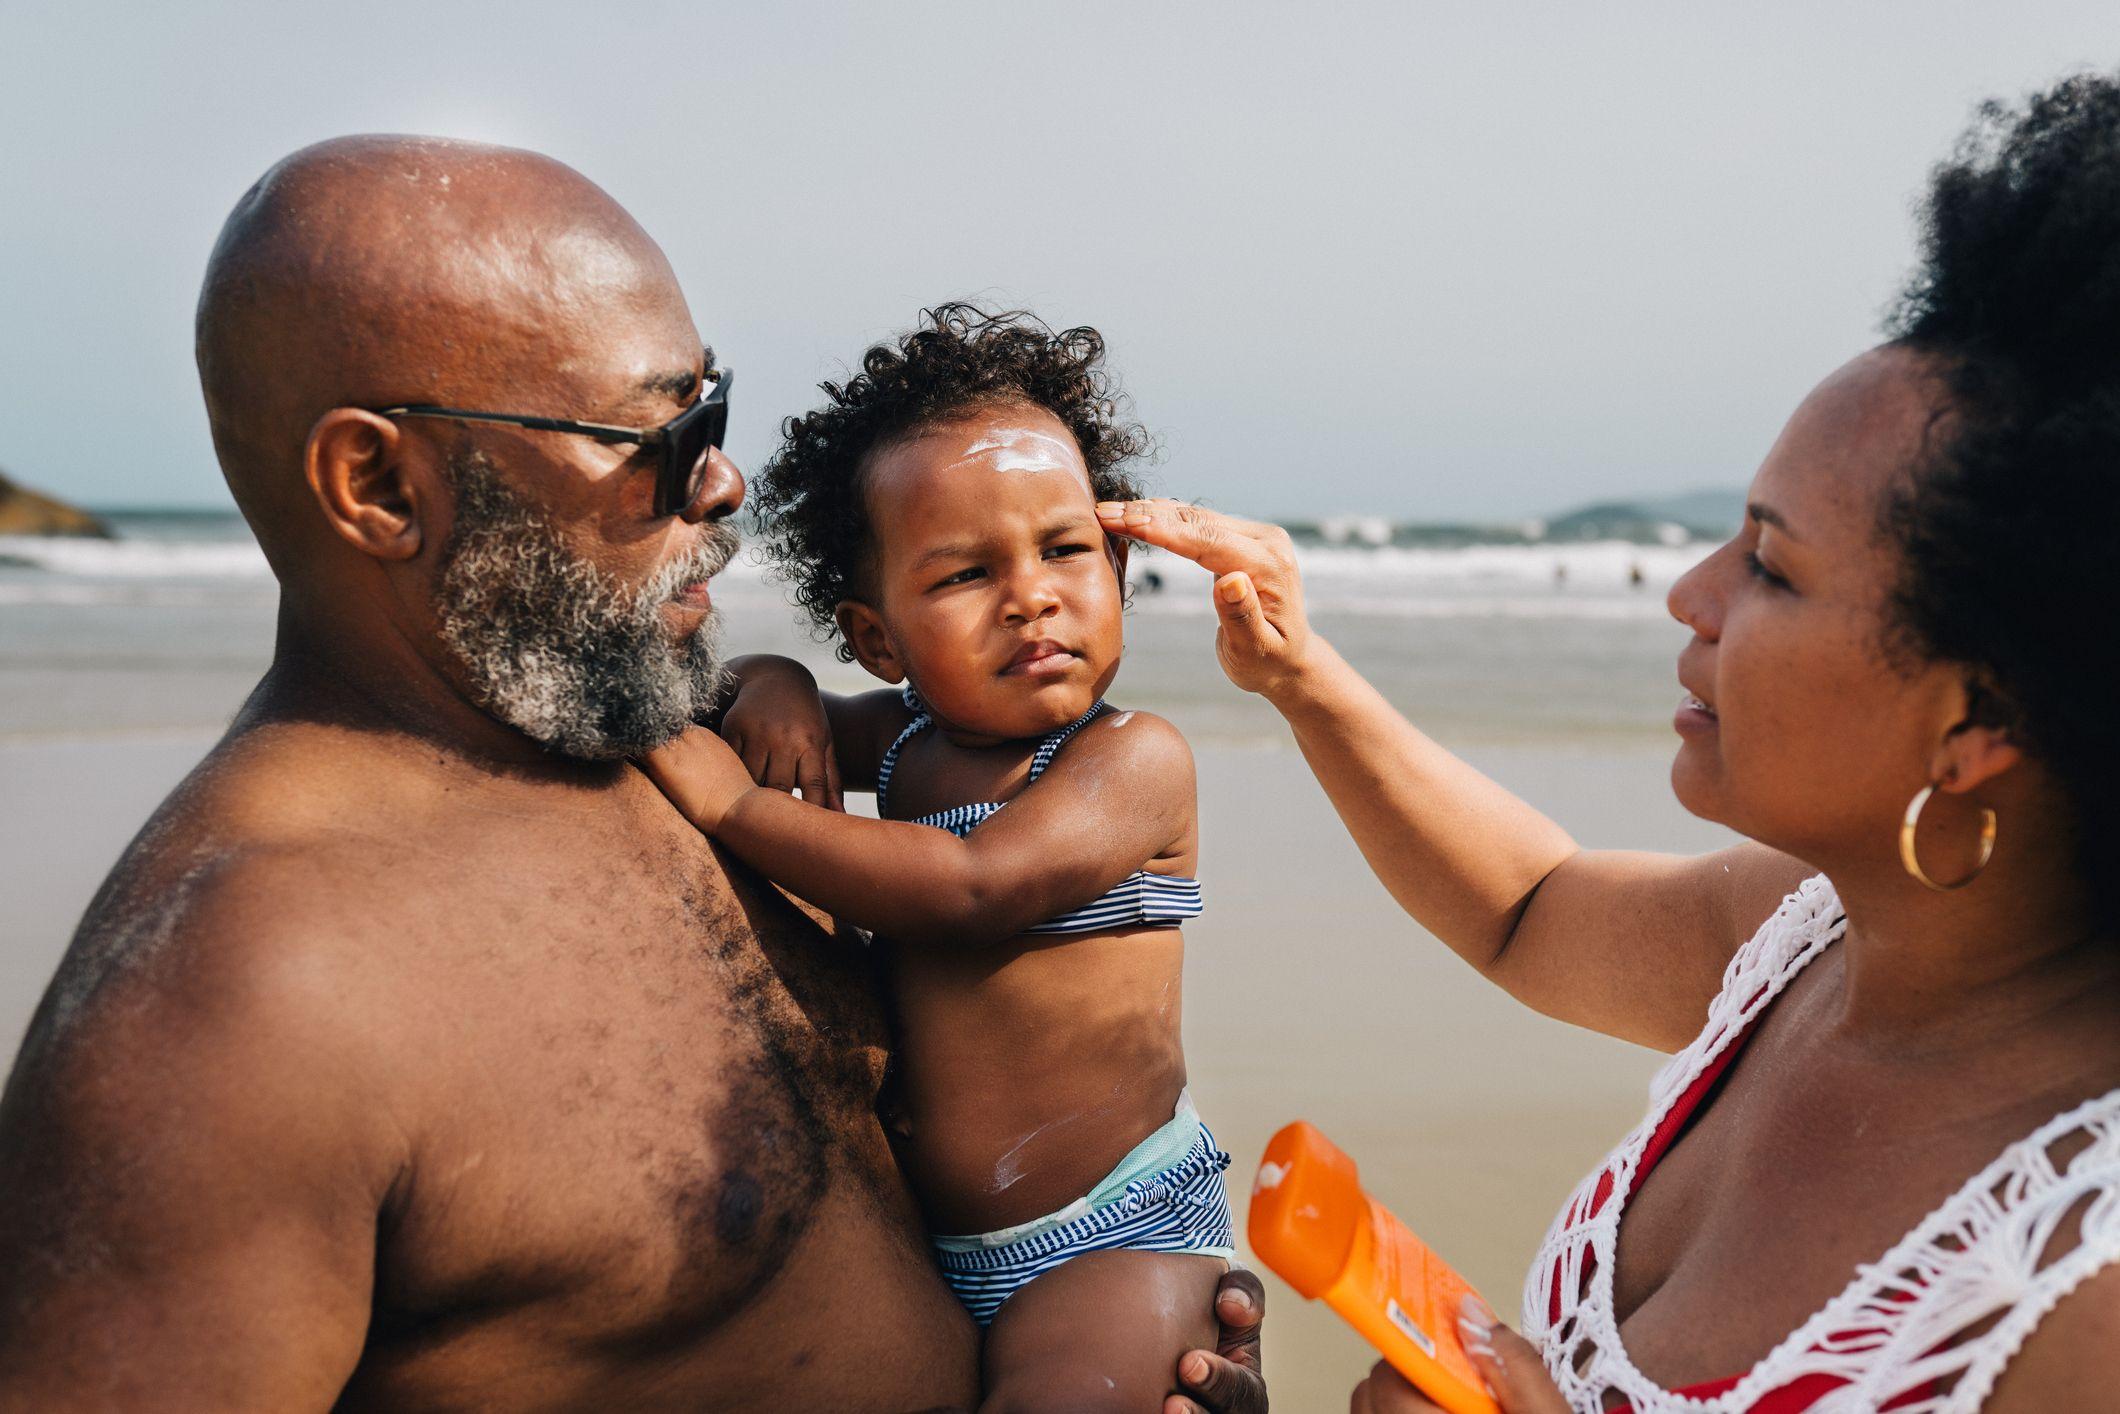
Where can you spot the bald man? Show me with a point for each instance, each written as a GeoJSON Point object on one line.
{"type": "Point", "coordinates": [417, 1055]}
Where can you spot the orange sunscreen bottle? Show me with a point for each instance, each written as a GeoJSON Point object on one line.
{"type": "Point", "coordinates": [1312, 1223]}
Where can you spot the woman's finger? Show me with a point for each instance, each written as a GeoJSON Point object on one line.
{"type": "Point", "coordinates": [1237, 605]}
{"type": "Point", "coordinates": [1509, 1363]}
{"type": "Point", "coordinates": [1208, 538]}
{"type": "Point", "coordinates": [1386, 1391]}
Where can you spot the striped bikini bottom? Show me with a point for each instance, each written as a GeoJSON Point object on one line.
{"type": "Point", "coordinates": [1165, 1196]}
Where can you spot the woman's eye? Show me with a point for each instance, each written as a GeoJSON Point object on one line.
{"type": "Point", "coordinates": [1761, 572]}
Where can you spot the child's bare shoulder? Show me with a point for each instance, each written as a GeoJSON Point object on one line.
{"type": "Point", "coordinates": [1135, 740]}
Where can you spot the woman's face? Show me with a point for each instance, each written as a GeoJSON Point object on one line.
{"type": "Point", "coordinates": [995, 590]}
{"type": "Point", "coordinates": [1799, 731]}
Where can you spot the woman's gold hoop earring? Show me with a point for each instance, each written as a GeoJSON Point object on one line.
{"type": "Point", "coordinates": [1912, 861]}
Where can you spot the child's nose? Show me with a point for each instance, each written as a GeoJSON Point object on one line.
{"type": "Point", "coordinates": [1032, 595]}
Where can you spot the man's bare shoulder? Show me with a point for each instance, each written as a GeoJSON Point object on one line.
{"type": "Point", "coordinates": [248, 949]}
{"type": "Point", "coordinates": [265, 893]}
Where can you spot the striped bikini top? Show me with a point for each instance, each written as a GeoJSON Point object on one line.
{"type": "Point", "coordinates": [1142, 900]}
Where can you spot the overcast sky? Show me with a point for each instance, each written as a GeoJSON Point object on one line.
{"type": "Point", "coordinates": [1426, 261]}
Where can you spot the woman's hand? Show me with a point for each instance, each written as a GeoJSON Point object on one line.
{"type": "Point", "coordinates": [700, 774]}
{"type": "Point", "coordinates": [1515, 1375]}
{"type": "Point", "coordinates": [1264, 640]}
{"type": "Point", "coordinates": [777, 724]}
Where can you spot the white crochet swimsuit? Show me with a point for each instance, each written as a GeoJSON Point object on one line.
{"type": "Point", "coordinates": [1892, 1338]}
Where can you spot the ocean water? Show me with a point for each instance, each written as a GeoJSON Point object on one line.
{"type": "Point", "coordinates": [167, 626]}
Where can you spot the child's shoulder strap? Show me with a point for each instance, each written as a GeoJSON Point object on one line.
{"type": "Point", "coordinates": [1053, 741]}
{"type": "Point", "coordinates": [920, 721]}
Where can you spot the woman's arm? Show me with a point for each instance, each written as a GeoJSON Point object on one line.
{"type": "Point", "coordinates": [1630, 944]}
{"type": "Point", "coordinates": [1119, 796]}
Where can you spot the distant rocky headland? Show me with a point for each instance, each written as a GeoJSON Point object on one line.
{"type": "Point", "coordinates": [27, 512]}
{"type": "Point", "coordinates": [1671, 520]}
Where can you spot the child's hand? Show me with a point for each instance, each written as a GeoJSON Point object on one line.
{"type": "Point", "coordinates": [1258, 591]}
{"type": "Point", "coordinates": [700, 774]}
{"type": "Point", "coordinates": [777, 725]}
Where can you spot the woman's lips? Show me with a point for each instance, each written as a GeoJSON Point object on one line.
{"type": "Point", "coordinates": [1694, 717]}
{"type": "Point", "coordinates": [1035, 660]}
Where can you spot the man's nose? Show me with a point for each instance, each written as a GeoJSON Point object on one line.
{"type": "Point", "coordinates": [720, 491]}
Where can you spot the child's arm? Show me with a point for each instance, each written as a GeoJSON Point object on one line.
{"type": "Point", "coordinates": [789, 735]}
{"type": "Point", "coordinates": [1121, 794]}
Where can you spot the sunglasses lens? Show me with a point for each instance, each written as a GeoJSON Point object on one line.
{"type": "Point", "coordinates": [693, 436]}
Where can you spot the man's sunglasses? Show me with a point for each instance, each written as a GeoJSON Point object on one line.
{"type": "Point", "coordinates": [684, 440]}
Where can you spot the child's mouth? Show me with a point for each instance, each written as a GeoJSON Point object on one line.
{"type": "Point", "coordinates": [1041, 659]}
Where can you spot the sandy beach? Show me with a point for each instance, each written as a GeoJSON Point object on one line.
{"type": "Point", "coordinates": [1309, 994]}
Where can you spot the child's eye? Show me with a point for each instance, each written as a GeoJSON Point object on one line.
{"type": "Point", "coordinates": [963, 576]}
{"type": "Point", "coordinates": [1054, 551]}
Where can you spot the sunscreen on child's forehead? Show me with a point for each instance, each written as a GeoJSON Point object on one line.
{"type": "Point", "coordinates": [1315, 1227]}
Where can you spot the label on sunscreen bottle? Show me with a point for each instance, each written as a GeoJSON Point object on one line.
{"type": "Point", "coordinates": [1315, 1227]}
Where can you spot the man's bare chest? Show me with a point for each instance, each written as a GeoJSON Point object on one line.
{"type": "Point", "coordinates": [649, 1078]}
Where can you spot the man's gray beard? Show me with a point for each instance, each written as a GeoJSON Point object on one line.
{"type": "Point", "coordinates": [556, 649]}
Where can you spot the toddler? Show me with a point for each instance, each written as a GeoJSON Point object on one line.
{"type": "Point", "coordinates": [1035, 852]}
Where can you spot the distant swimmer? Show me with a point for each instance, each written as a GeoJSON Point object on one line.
{"type": "Point", "coordinates": [1635, 576]}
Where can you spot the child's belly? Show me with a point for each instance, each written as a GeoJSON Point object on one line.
{"type": "Point", "coordinates": [1029, 1070]}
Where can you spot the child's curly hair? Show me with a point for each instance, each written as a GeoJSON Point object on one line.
{"type": "Point", "coordinates": [959, 359]}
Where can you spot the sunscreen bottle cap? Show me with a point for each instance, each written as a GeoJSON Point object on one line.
{"type": "Point", "coordinates": [1306, 1206]}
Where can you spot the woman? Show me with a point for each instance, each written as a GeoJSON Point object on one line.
{"type": "Point", "coordinates": [1887, 1172]}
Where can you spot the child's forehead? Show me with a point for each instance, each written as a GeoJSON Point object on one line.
{"type": "Point", "coordinates": [1008, 452]}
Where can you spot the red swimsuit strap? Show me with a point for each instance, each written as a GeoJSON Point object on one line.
{"type": "Point", "coordinates": [1799, 1394]}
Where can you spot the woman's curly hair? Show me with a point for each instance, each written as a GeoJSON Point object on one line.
{"type": "Point", "coordinates": [959, 359]}
{"type": "Point", "coordinates": [2007, 529]}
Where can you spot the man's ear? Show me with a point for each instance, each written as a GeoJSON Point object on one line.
{"type": "Point", "coordinates": [863, 630]}
{"type": "Point", "coordinates": [369, 497]}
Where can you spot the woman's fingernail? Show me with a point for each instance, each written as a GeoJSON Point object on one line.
{"type": "Point", "coordinates": [1109, 508]}
{"type": "Point", "coordinates": [1474, 1339]}
{"type": "Point", "coordinates": [1195, 1370]}
{"type": "Point", "coordinates": [1232, 591]}
{"type": "Point", "coordinates": [1475, 1314]}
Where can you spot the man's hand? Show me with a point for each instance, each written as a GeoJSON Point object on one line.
{"type": "Point", "coordinates": [776, 724]}
{"type": "Point", "coordinates": [1515, 1375]}
{"type": "Point", "coordinates": [700, 774]}
{"type": "Point", "coordinates": [1227, 1379]}
{"type": "Point", "coordinates": [1258, 591]}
